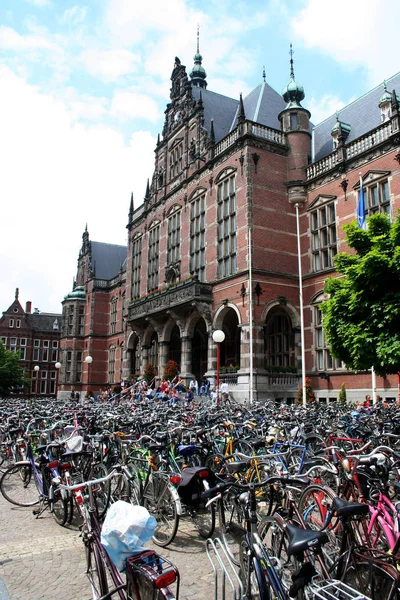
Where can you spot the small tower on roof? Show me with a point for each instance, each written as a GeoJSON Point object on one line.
{"type": "Point", "coordinates": [198, 74]}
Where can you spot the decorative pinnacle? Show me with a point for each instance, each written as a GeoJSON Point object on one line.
{"type": "Point", "coordinates": [264, 75]}
{"type": "Point", "coordinates": [198, 36]}
{"type": "Point", "coordinates": [291, 52]}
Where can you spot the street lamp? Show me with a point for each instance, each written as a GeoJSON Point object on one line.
{"type": "Point", "coordinates": [37, 369]}
{"type": "Point", "coordinates": [218, 337]}
{"type": "Point", "coordinates": [58, 367]}
{"type": "Point", "coordinates": [88, 361]}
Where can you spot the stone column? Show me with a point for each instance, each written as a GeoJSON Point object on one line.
{"type": "Point", "coordinates": [144, 356]}
{"type": "Point", "coordinates": [186, 358]}
{"type": "Point", "coordinates": [163, 349]}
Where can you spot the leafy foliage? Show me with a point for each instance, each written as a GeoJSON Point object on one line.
{"type": "Point", "coordinates": [310, 396]}
{"type": "Point", "coordinates": [11, 373]}
{"type": "Point", "coordinates": [149, 372]}
{"type": "Point", "coordinates": [361, 319]}
{"type": "Point", "coordinates": [171, 370]}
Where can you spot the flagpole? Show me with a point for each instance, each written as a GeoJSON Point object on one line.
{"type": "Point", "coordinates": [373, 376]}
{"type": "Point", "coordinates": [303, 351]}
{"type": "Point", "coordinates": [360, 205]}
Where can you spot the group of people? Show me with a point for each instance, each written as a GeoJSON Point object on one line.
{"type": "Point", "coordinates": [158, 390]}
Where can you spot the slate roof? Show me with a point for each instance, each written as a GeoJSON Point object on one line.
{"type": "Point", "coordinates": [218, 107]}
{"type": "Point", "coordinates": [363, 115]}
{"type": "Point", "coordinates": [262, 105]}
{"type": "Point", "coordinates": [107, 259]}
{"type": "Point", "coordinates": [44, 321]}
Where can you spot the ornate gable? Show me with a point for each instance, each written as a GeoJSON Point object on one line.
{"type": "Point", "coordinates": [182, 102]}
{"type": "Point", "coordinates": [320, 200]}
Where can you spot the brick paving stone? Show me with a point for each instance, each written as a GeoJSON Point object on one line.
{"type": "Point", "coordinates": [39, 560]}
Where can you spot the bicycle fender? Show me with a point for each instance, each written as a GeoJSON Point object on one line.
{"type": "Point", "coordinates": [177, 500]}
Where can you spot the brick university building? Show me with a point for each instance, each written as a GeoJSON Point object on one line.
{"type": "Point", "coordinates": [213, 246]}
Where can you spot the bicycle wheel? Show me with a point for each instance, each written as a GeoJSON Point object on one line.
{"type": "Point", "coordinates": [255, 585]}
{"type": "Point", "coordinates": [59, 505]}
{"type": "Point", "coordinates": [96, 571]}
{"type": "Point", "coordinates": [315, 510]}
{"type": "Point", "coordinates": [204, 520]}
{"type": "Point", "coordinates": [18, 485]}
{"type": "Point", "coordinates": [275, 539]}
{"type": "Point", "coordinates": [232, 525]}
{"type": "Point", "coordinates": [372, 580]}
{"type": "Point", "coordinates": [102, 492]}
{"type": "Point", "coordinates": [160, 501]}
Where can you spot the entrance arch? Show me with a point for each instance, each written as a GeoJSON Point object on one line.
{"type": "Point", "coordinates": [199, 349]}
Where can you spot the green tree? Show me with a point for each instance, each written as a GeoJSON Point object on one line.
{"type": "Point", "coordinates": [11, 373]}
{"type": "Point", "coordinates": [361, 318]}
{"type": "Point", "coordinates": [342, 394]}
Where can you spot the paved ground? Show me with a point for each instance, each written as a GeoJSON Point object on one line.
{"type": "Point", "coordinates": [39, 560]}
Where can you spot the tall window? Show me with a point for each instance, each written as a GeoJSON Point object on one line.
{"type": "Point", "coordinates": [198, 236]}
{"type": "Point", "coordinates": [324, 360]}
{"type": "Point", "coordinates": [36, 350]}
{"type": "Point", "coordinates": [376, 198]}
{"type": "Point", "coordinates": [136, 267]}
{"type": "Point", "coordinates": [111, 364]}
{"type": "Point", "coordinates": [174, 237]}
{"type": "Point", "coordinates": [152, 263]}
{"type": "Point", "coordinates": [81, 320]}
{"type": "Point", "coordinates": [113, 315]}
{"type": "Point", "coordinates": [227, 227]}
{"type": "Point", "coordinates": [70, 319]}
{"type": "Point", "coordinates": [54, 351]}
{"type": "Point", "coordinates": [175, 161]}
{"type": "Point", "coordinates": [323, 236]}
{"type": "Point", "coordinates": [79, 356]}
{"type": "Point", "coordinates": [279, 340]}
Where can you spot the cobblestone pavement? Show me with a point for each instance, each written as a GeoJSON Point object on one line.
{"type": "Point", "coordinates": [39, 560]}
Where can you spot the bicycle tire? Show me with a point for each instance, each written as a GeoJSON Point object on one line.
{"type": "Point", "coordinates": [96, 571]}
{"type": "Point", "coordinates": [204, 520]}
{"type": "Point", "coordinates": [373, 580]}
{"type": "Point", "coordinates": [274, 536]}
{"type": "Point", "coordinates": [18, 485]}
{"type": "Point", "coordinates": [59, 505]}
{"type": "Point", "coordinates": [102, 493]}
{"type": "Point", "coordinates": [255, 585]}
{"type": "Point", "coordinates": [159, 500]}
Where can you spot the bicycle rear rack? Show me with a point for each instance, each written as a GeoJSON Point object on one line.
{"type": "Point", "coordinates": [336, 590]}
{"type": "Point", "coordinates": [225, 572]}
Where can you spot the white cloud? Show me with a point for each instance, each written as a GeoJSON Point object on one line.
{"type": "Point", "coordinates": [324, 107]}
{"type": "Point", "coordinates": [57, 175]}
{"type": "Point", "coordinates": [74, 15]}
{"type": "Point", "coordinates": [12, 40]}
{"type": "Point", "coordinates": [127, 105]}
{"type": "Point", "coordinates": [357, 34]}
{"type": "Point", "coordinates": [109, 65]}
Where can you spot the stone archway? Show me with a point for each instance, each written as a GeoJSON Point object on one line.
{"type": "Point", "coordinates": [175, 346]}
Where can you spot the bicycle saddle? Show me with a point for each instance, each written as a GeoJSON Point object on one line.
{"type": "Point", "coordinates": [343, 508]}
{"type": "Point", "coordinates": [302, 539]}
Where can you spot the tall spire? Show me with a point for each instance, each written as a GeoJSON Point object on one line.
{"type": "Point", "coordinates": [264, 75]}
{"type": "Point", "coordinates": [293, 93]}
{"type": "Point", "coordinates": [198, 74]}
{"type": "Point", "coordinates": [147, 194]}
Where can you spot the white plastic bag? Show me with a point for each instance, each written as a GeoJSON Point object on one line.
{"type": "Point", "coordinates": [125, 529]}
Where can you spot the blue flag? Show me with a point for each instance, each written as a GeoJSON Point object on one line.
{"type": "Point", "coordinates": [360, 209]}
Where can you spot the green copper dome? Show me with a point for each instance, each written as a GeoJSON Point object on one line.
{"type": "Point", "coordinates": [77, 294]}
{"type": "Point", "coordinates": [198, 74]}
{"type": "Point", "coordinates": [293, 93]}
{"type": "Point", "coordinates": [346, 128]}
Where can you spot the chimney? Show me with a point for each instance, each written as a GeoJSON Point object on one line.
{"type": "Point", "coordinates": [28, 307]}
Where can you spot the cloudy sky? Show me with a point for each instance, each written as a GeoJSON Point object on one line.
{"type": "Point", "coordinates": [83, 88]}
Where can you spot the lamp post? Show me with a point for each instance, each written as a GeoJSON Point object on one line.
{"type": "Point", "coordinates": [58, 367]}
{"type": "Point", "coordinates": [88, 361]}
{"type": "Point", "coordinates": [37, 369]}
{"type": "Point", "coordinates": [218, 337]}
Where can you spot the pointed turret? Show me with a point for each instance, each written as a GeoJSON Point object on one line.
{"type": "Point", "coordinates": [212, 133]}
{"type": "Point", "coordinates": [130, 214]}
{"type": "Point", "coordinates": [198, 74]}
{"type": "Point", "coordinates": [293, 93]}
{"type": "Point", "coordinates": [241, 114]}
{"type": "Point", "coordinates": [147, 193]}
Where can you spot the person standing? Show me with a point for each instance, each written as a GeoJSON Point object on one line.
{"type": "Point", "coordinates": [224, 390]}
{"type": "Point", "coordinates": [194, 386]}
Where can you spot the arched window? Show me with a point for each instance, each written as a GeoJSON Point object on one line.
{"type": "Point", "coordinates": [279, 341]}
